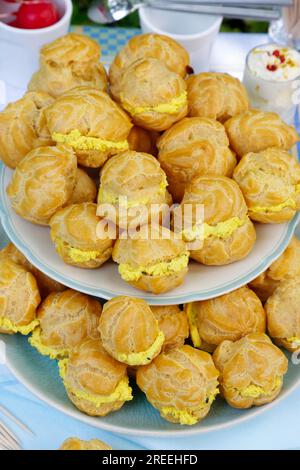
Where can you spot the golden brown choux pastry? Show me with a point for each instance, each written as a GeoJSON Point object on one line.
{"type": "Point", "coordinates": [251, 370]}
{"type": "Point", "coordinates": [270, 182]}
{"type": "Point", "coordinates": [194, 147]}
{"type": "Point", "coordinates": [254, 131]}
{"type": "Point", "coordinates": [287, 266]}
{"type": "Point", "coordinates": [45, 284]}
{"type": "Point", "coordinates": [66, 320]}
{"type": "Point", "coordinates": [154, 96]}
{"type": "Point", "coordinates": [173, 323]}
{"type": "Point", "coordinates": [156, 262]}
{"type": "Point", "coordinates": [283, 314]}
{"type": "Point", "coordinates": [96, 383]}
{"type": "Point", "coordinates": [77, 241]}
{"type": "Point", "coordinates": [19, 299]}
{"type": "Point", "coordinates": [73, 443]}
{"type": "Point", "coordinates": [129, 331]}
{"type": "Point", "coordinates": [180, 384]}
{"type": "Point", "coordinates": [90, 122]}
{"type": "Point", "coordinates": [132, 183]}
{"type": "Point", "coordinates": [216, 95]}
{"type": "Point", "coordinates": [69, 61]}
{"type": "Point", "coordinates": [23, 127]}
{"type": "Point", "coordinates": [227, 234]}
{"type": "Point", "coordinates": [42, 183]}
{"type": "Point", "coordinates": [228, 317]}
{"type": "Point", "coordinates": [144, 141]}
{"type": "Point", "coordinates": [155, 46]}
{"type": "Point", "coordinates": [85, 188]}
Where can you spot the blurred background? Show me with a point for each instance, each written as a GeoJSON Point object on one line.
{"type": "Point", "coordinates": [132, 21]}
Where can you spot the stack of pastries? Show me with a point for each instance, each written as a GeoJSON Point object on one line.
{"type": "Point", "coordinates": [90, 150]}
{"type": "Point", "coordinates": [97, 155]}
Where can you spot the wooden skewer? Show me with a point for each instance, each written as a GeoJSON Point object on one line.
{"type": "Point", "coordinates": [15, 420]}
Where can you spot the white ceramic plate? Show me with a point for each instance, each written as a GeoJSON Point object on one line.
{"type": "Point", "coordinates": [202, 282]}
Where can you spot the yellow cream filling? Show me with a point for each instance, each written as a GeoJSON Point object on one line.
{"type": "Point", "coordinates": [36, 342]}
{"type": "Point", "coordinates": [187, 417]}
{"type": "Point", "coordinates": [192, 319]}
{"type": "Point", "coordinates": [6, 324]}
{"type": "Point", "coordinates": [279, 207]}
{"type": "Point", "coordinates": [122, 392]}
{"type": "Point", "coordinates": [78, 256]}
{"type": "Point", "coordinates": [144, 357]}
{"type": "Point", "coordinates": [171, 107]}
{"type": "Point", "coordinates": [164, 268]}
{"type": "Point", "coordinates": [107, 197]}
{"type": "Point", "coordinates": [81, 142]}
{"type": "Point", "coordinates": [294, 340]}
{"type": "Point", "coordinates": [255, 391]}
{"type": "Point", "coordinates": [221, 230]}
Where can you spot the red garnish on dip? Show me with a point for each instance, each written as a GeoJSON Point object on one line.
{"type": "Point", "coordinates": [276, 53]}
{"type": "Point", "coordinates": [272, 67]}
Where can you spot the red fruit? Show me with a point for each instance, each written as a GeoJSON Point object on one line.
{"type": "Point", "coordinates": [36, 14]}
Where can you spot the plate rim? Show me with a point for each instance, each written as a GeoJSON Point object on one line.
{"type": "Point", "coordinates": [187, 431]}
{"type": "Point", "coordinates": [238, 282]}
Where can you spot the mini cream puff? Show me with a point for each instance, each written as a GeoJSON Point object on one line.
{"type": "Point", "coordinates": [69, 61]}
{"type": "Point", "coordinates": [144, 141]}
{"type": "Point", "coordinates": [132, 183]}
{"type": "Point", "coordinates": [66, 319]}
{"type": "Point", "coordinates": [270, 182]}
{"type": "Point", "coordinates": [22, 127]}
{"type": "Point", "coordinates": [129, 331]}
{"type": "Point", "coordinates": [154, 96]}
{"type": "Point", "coordinates": [143, 46]}
{"type": "Point", "coordinates": [173, 323]}
{"type": "Point", "coordinates": [96, 383]}
{"type": "Point", "coordinates": [181, 384]}
{"type": "Point", "coordinates": [287, 266]}
{"type": "Point", "coordinates": [226, 234]}
{"type": "Point", "coordinates": [194, 147]}
{"type": "Point", "coordinates": [254, 131]}
{"type": "Point", "coordinates": [76, 238]}
{"type": "Point", "coordinates": [251, 370]}
{"type": "Point", "coordinates": [283, 314]}
{"type": "Point", "coordinates": [153, 262]}
{"type": "Point", "coordinates": [19, 299]}
{"type": "Point", "coordinates": [85, 188]}
{"type": "Point", "coordinates": [90, 122]}
{"type": "Point", "coordinates": [42, 183]}
{"type": "Point", "coordinates": [45, 284]}
{"type": "Point", "coordinates": [73, 443]}
{"type": "Point", "coordinates": [229, 317]}
{"type": "Point", "coordinates": [216, 95]}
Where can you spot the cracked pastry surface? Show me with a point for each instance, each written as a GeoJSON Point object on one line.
{"type": "Point", "coordinates": [66, 319]}
{"type": "Point", "coordinates": [19, 299]}
{"type": "Point", "coordinates": [283, 314]}
{"type": "Point", "coordinates": [270, 182]}
{"type": "Point", "coordinates": [254, 131]}
{"type": "Point", "coordinates": [173, 323]}
{"type": "Point", "coordinates": [129, 331]}
{"type": "Point", "coordinates": [96, 383]}
{"type": "Point", "coordinates": [73, 443]}
{"type": "Point", "coordinates": [68, 62]}
{"type": "Point", "coordinates": [42, 183]}
{"type": "Point", "coordinates": [216, 95]}
{"type": "Point", "coordinates": [154, 96]}
{"type": "Point", "coordinates": [155, 46]}
{"type": "Point", "coordinates": [181, 384]}
{"type": "Point", "coordinates": [228, 317]}
{"type": "Point", "coordinates": [251, 370]}
{"type": "Point", "coordinates": [194, 147]}
{"type": "Point", "coordinates": [23, 127]}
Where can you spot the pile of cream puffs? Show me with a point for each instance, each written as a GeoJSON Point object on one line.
{"type": "Point", "coordinates": [182, 358]}
{"type": "Point", "coordinates": [152, 133]}
{"type": "Point", "coordinates": [148, 134]}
